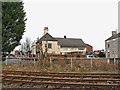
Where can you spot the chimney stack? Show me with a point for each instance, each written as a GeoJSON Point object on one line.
{"type": "Point", "coordinates": [114, 32]}
{"type": "Point", "coordinates": [45, 30]}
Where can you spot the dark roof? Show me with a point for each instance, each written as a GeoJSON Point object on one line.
{"type": "Point", "coordinates": [71, 42]}
{"type": "Point", "coordinates": [64, 42]}
{"type": "Point", "coordinates": [47, 37]}
{"type": "Point", "coordinates": [113, 37]}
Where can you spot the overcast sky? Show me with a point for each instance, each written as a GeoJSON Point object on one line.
{"type": "Point", "coordinates": [91, 20]}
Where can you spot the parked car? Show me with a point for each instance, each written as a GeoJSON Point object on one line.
{"type": "Point", "coordinates": [90, 56]}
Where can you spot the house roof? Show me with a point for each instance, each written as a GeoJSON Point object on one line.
{"type": "Point", "coordinates": [71, 42]}
{"type": "Point", "coordinates": [47, 37]}
{"type": "Point", "coordinates": [113, 37]}
{"type": "Point", "coordinates": [64, 42]}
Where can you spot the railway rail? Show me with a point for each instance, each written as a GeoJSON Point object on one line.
{"type": "Point", "coordinates": [62, 80]}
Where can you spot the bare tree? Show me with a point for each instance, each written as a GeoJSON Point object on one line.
{"type": "Point", "coordinates": [42, 54]}
{"type": "Point", "coordinates": [26, 46]}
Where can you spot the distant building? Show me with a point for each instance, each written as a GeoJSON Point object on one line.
{"type": "Point", "coordinates": [61, 45]}
{"type": "Point", "coordinates": [89, 48]}
{"type": "Point", "coordinates": [112, 46]}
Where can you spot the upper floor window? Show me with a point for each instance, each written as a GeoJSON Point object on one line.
{"type": "Point", "coordinates": [49, 45]}
{"type": "Point", "coordinates": [73, 48]}
{"type": "Point", "coordinates": [80, 48]}
{"type": "Point", "coordinates": [65, 49]}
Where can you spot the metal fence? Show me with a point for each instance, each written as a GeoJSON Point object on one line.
{"type": "Point", "coordinates": [91, 63]}
{"type": "Point", "coordinates": [67, 62]}
{"type": "Point", "coordinates": [19, 60]}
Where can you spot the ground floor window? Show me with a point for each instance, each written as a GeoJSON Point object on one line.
{"type": "Point", "coordinates": [49, 45]}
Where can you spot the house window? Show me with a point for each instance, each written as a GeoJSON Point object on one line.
{"type": "Point", "coordinates": [49, 45]}
{"type": "Point", "coordinates": [80, 48]}
{"type": "Point", "coordinates": [65, 49]}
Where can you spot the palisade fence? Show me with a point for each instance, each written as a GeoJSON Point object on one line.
{"type": "Point", "coordinates": [19, 60]}
{"type": "Point", "coordinates": [68, 62]}
{"type": "Point", "coordinates": [91, 63]}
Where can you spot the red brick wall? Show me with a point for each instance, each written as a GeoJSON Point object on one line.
{"type": "Point", "coordinates": [89, 48]}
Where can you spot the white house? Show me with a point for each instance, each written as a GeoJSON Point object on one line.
{"type": "Point", "coordinates": [63, 45]}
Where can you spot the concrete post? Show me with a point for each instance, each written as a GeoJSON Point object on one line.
{"type": "Point", "coordinates": [71, 63]}
{"type": "Point", "coordinates": [34, 61]}
{"type": "Point", "coordinates": [91, 62]}
{"type": "Point", "coordinates": [108, 61]}
{"type": "Point", "coordinates": [50, 62]}
{"type": "Point", "coordinates": [6, 61]}
{"type": "Point", "coordinates": [19, 60]}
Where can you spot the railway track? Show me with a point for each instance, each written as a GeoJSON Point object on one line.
{"type": "Point", "coordinates": [61, 80]}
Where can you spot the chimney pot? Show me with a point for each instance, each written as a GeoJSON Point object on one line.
{"type": "Point", "coordinates": [65, 37]}
{"type": "Point", "coordinates": [114, 32]}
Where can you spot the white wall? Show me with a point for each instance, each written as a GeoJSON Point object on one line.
{"type": "Point", "coordinates": [68, 49]}
{"type": "Point", "coordinates": [55, 47]}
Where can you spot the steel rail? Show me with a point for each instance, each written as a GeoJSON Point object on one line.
{"type": "Point", "coordinates": [80, 75]}
{"type": "Point", "coordinates": [66, 75]}
{"type": "Point", "coordinates": [72, 73]}
{"type": "Point", "coordinates": [63, 79]}
{"type": "Point", "coordinates": [23, 82]}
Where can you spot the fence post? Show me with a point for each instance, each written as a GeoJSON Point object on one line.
{"type": "Point", "coordinates": [34, 61]}
{"type": "Point", "coordinates": [108, 61]}
{"type": "Point", "coordinates": [114, 60]}
{"type": "Point", "coordinates": [91, 63]}
{"type": "Point", "coordinates": [71, 63]}
{"type": "Point", "coordinates": [50, 62]}
{"type": "Point", "coordinates": [6, 60]}
{"type": "Point", "coordinates": [19, 60]}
